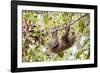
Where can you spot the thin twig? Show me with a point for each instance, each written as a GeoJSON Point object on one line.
{"type": "Point", "coordinates": [58, 27]}
{"type": "Point", "coordinates": [68, 25]}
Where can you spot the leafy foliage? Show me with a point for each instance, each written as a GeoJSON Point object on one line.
{"type": "Point", "coordinates": [36, 26]}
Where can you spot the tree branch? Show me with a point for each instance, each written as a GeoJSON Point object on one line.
{"type": "Point", "coordinates": [57, 28]}
{"type": "Point", "coordinates": [67, 25]}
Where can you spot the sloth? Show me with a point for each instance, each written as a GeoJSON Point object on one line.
{"type": "Point", "coordinates": [66, 41]}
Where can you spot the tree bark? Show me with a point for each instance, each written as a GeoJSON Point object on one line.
{"type": "Point", "coordinates": [66, 25]}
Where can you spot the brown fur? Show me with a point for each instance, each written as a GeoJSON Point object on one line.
{"type": "Point", "coordinates": [66, 41]}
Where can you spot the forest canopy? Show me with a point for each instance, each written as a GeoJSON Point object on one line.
{"type": "Point", "coordinates": [36, 29]}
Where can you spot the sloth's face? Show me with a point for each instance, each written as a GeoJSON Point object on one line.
{"type": "Point", "coordinates": [71, 33]}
